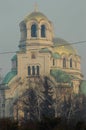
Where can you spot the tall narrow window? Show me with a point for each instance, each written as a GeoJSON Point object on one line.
{"type": "Point", "coordinates": [64, 62]}
{"type": "Point", "coordinates": [75, 64]}
{"type": "Point", "coordinates": [71, 63]}
{"type": "Point", "coordinates": [24, 32]}
{"type": "Point", "coordinates": [53, 62]}
{"type": "Point", "coordinates": [37, 70]}
{"type": "Point", "coordinates": [34, 30]}
{"type": "Point", "coordinates": [33, 56]}
{"type": "Point", "coordinates": [33, 70]}
{"type": "Point", "coordinates": [43, 29]}
{"type": "Point", "coordinates": [29, 70]}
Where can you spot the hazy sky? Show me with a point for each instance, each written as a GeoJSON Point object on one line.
{"type": "Point", "coordinates": [68, 17]}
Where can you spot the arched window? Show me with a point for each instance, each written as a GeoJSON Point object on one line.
{"type": "Point", "coordinates": [71, 63]}
{"type": "Point", "coordinates": [23, 31]}
{"type": "Point", "coordinates": [34, 30]}
{"type": "Point", "coordinates": [64, 62]}
{"type": "Point", "coordinates": [33, 70]}
{"type": "Point", "coordinates": [29, 70]}
{"type": "Point", "coordinates": [37, 70]}
{"type": "Point", "coordinates": [43, 31]}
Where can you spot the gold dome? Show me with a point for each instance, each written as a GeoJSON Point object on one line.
{"type": "Point", "coordinates": [36, 16]}
{"type": "Point", "coordinates": [61, 46]}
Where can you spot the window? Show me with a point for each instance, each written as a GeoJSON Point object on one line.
{"type": "Point", "coordinates": [33, 56]}
{"type": "Point", "coordinates": [25, 32]}
{"type": "Point", "coordinates": [64, 62]}
{"type": "Point", "coordinates": [43, 28]}
{"type": "Point", "coordinates": [29, 70]}
{"type": "Point", "coordinates": [75, 64]}
{"type": "Point", "coordinates": [71, 63]}
{"type": "Point", "coordinates": [37, 70]}
{"type": "Point", "coordinates": [53, 62]}
{"type": "Point", "coordinates": [3, 105]}
{"type": "Point", "coordinates": [34, 30]}
{"type": "Point", "coordinates": [33, 70]}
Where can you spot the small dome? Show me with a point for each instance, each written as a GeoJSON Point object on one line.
{"type": "Point", "coordinates": [14, 58]}
{"type": "Point", "coordinates": [36, 16]}
{"type": "Point", "coordinates": [62, 46]}
{"type": "Point", "coordinates": [9, 77]}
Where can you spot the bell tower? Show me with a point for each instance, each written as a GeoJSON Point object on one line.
{"type": "Point", "coordinates": [36, 30]}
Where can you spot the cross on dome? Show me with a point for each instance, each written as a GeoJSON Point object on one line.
{"type": "Point", "coordinates": [35, 7]}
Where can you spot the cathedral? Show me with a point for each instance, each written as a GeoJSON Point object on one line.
{"type": "Point", "coordinates": [40, 54]}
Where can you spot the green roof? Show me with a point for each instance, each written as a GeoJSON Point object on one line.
{"type": "Point", "coordinates": [14, 57]}
{"type": "Point", "coordinates": [56, 55]}
{"type": "Point", "coordinates": [61, 76]}
{"type": "Point", "coordinates": [9, 76]}
{"type": "Point", "coordinates": [45, 50]}
{"type": "Point", "coordinates": [83, 87]}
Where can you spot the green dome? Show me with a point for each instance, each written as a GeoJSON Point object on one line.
{"type": "Point", "coordinates": [44, 50]}
{"type": "Point", "coordinates": [9, 76]}
{"type": "Point", "coordinates": [14, 58]}
{"type": "Point", "coordinates": [56, 55]}
{"type": "Point", "coordinates": [35, 15]}
{"type": "Point", "coordinates": [62, 46]}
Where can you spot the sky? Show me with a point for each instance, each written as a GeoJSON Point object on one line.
{"type": "Point", "coordinates": [68, 18]}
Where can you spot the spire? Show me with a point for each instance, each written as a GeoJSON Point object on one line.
{"type": "Point", "coordinates": [35, 7]}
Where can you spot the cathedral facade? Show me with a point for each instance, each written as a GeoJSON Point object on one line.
{"type": "Point", "coordinates": [40, 53]}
